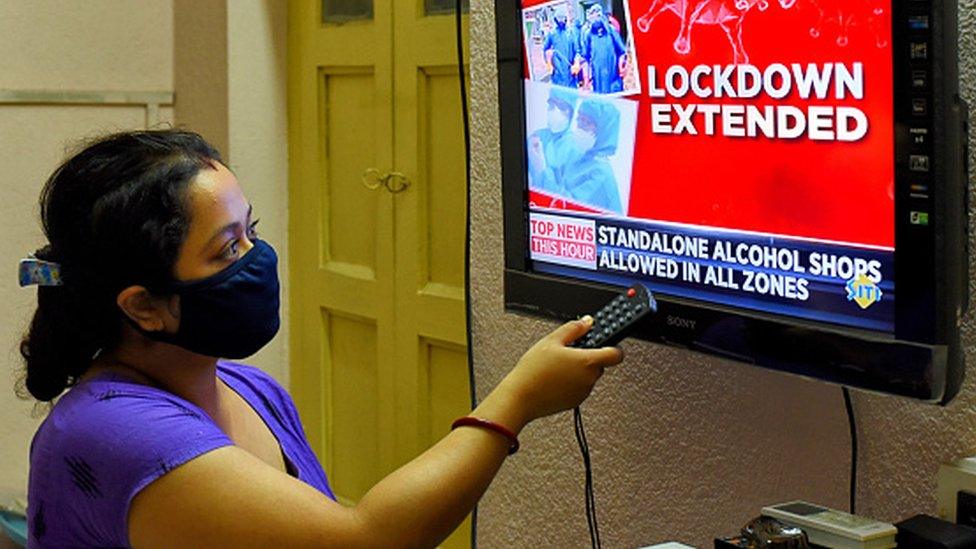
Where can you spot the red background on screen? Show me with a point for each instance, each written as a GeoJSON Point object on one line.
{"type": "Point", "coordinates": [797, 187]}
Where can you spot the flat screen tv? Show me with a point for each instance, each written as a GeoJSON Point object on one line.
{"type": "Point", "coordinates": [788, 177]}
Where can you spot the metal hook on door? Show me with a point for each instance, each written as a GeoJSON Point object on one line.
{"type": "Point", "coordinates": [396, 182]}
{"type": "Point", "coordinates": [372, 178]}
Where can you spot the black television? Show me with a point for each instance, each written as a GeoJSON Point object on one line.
{"type": "Point", "coordinates": [789, 177]}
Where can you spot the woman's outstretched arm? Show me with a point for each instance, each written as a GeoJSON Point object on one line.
{"type": "Point", "coordinates": [230, 498]}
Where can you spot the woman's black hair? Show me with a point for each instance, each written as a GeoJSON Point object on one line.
{"type": "Point", "coordinates": [115, 215]}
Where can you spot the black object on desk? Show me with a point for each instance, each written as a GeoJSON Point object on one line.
{"type": "Point", "coordinates": [925, 532]}
{"type": "Point", "coordinates": [766, 533]}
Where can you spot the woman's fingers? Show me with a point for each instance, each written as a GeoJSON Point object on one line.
{"type": "Point", "coordinates": [574, 329]}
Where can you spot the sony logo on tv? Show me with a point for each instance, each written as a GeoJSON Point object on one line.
{"type": "Point", "coordinates": [680, 322]}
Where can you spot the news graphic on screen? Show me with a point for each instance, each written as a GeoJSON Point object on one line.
{"type": "Point", "coordinates": [734, 152]}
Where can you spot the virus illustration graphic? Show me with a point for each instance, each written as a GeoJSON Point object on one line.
{"type": "Point", "coordinates": [847, 15]}
{"type": "Point", "coordinates": [727, 14]}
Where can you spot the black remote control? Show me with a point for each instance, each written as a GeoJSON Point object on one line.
{"type": "Point", "coordinates": [614, 320]}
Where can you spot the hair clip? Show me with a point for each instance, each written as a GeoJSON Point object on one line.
{"type": "Point", "coordinates": [38, 272]}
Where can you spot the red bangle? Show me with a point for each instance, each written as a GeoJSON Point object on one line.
{"type": "Point", "coordinates": [469, 421]}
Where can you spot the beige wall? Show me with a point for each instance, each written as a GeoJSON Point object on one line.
{"type": "Point", "coordinates": [200, 75]}
{"type": "Point", "coordinates": [688, 447]}
{"type": "Point", "coordinates": [97, 44]}
{"type": "Point", "coordinates": [47, 44]}
{"type": "Point", "coordinates": [258, 137]}
{"type": "Point", "coordinates": [230, 80]}
{"type": "Point", "coordinates": [120, 44]}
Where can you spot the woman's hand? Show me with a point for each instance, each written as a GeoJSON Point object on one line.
{"type": "Point", "coordinates": [551, 377]}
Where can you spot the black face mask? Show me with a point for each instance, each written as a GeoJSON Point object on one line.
{"type": "Point", "coordinates": [231, 314]}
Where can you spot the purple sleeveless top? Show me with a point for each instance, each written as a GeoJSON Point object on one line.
{"type": "Point", "coordinates": [108, 437]}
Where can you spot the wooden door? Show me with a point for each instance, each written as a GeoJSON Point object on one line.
{"type": "Point", "coordinates": [341, 239]}
{"type": "Point", "coordinates": [431, 355]}
{"type": "Point", "coordinates": [376, 234]}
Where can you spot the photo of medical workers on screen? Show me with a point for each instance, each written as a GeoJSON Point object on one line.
{"type": "Point", "coordinates": [584, 45]}
{"type": "Point", "coordinates": [580, 148]}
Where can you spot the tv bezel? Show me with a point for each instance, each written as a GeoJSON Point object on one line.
{"type": "Point", "coordinates": [922, 359]}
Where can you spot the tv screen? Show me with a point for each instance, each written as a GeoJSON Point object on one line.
{"type": "Point", "coordinates": [796, 162]}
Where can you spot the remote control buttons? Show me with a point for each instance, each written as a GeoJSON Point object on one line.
{"type": "Point", "coordinates": [617, 316]}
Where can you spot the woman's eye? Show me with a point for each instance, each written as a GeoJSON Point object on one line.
{"type": "Point", "coordinates": [233, 249]}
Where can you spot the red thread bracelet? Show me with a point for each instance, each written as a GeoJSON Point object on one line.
{"type": "Point", "coordinates": [470, 421]}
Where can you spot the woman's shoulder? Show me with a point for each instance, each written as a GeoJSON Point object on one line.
{"type": "Point", "coordinates": [245, 371]}
{"type": "Point", "coordinates": [236, 374]}
{"type": "Point", "coordinates": [111, 419]}
{"type": "Point", "coordinates": [102, 442]}
{"type": "Point", "coordinates": [263, 385]}
{"type": "Point", "coordinates": [110, 402]}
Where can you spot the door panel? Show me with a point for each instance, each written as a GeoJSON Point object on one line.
{"type": "Point", "coordinates": [442, 398]}
{"type": "Point", "coordinates": [353, 380]}
{"type": "Point", "coordinates": [444, 388]}
{"type": "Point", "coordinates": [442, 209]}
{"type": "Point", "coordinates": [348, 98]}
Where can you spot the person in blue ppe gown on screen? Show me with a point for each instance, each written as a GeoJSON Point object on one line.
{"type": "Point", "coordinates": [561, 49]}
{"type": "Point", "coordinates": [582, 27]}
{"type": "Point", "coordinates": [604, 52]}
{"type": "Point", "coordinates": [590, 179]}
{"type": "Point", "coordinates": [552, 148]}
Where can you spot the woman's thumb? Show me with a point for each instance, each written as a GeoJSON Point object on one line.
{"type": "Point", "coordinates": [573, 330]}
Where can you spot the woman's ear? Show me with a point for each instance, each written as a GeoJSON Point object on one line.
{"type": "Point", "coordinates": [142, 308]}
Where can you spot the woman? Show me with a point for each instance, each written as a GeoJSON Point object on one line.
{"type": "Point", "coordinates": [159, 443]}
